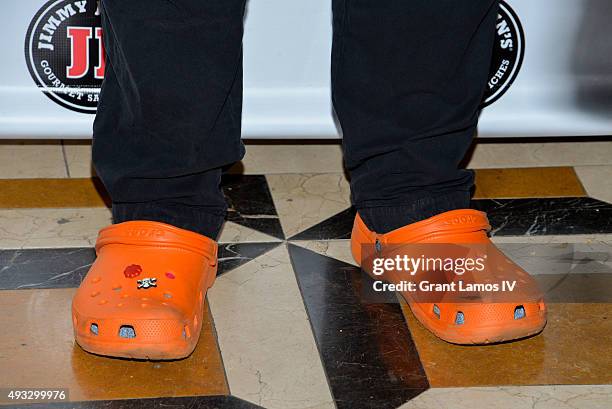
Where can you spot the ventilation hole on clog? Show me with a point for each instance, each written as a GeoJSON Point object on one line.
{"type": "Point", "coordinates": [195, 321]}
{"type": "Point", "coordinates": [117, 288]}
{"type": "Point", "coordinates": [436, 310]}
{"type": "Point", "coordinates": [167, 295]}
{"type": "Point", "coordinates": [127, 331]}
{"type": "Point", "coordinates": [102, 302]}
{"type": "Point", "coordinates": [93, 328]}
{"type": "Point", "coordinates": [378, 246]}
{"type": "Point", "coordinates": [144, 299]}
{"type": "Point", "coordinates": [459, 318]}
{"type": "Point", "coordinates": [541, 305]}
{"type": "Point", "coordinates": [186, 333]}
{"type": "Point", "coordinates": [74, 321]}
{"type": "Point", "coordinates": [96, 280]}
{"type": "Point", "coordinates": [519, 312]}
{"type": "Point", "coordinates": [200, 297]}
{"type": "Point", "coordinates": [124, 295]}
{"type": "Point", "coordinates": [95, 294]}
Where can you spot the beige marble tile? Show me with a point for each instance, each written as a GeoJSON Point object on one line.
{"type": "Point", "coordinates": [597, 180]}
{"type": "Point", "coordinates": [327, 158]}
{"type": "Point", "coordinates": [266, 158]}
{"type": "Point", "coordinates": [520, 397]}
{"type": "Point", "coordinates": [559, 181]}
{"type": "Point", "coordinates": [303, 200]}
{"type": "Point", "coordinates": [338, 249]}
{"type": "Point", "coordinates": [312, 157]}
{"type": "Point", "coordinates": [36, 159]}
{"type": "Point", "coordinates": [40, 350]}
{"type": "Point", "coordinates": [571, 350]}
{"type": "Point", "coordinates": [233, 233]}
{"type": "Point", "coordinates": [265, 338]}
{"type": "Point", "coordinates": [40, 228]}
{"type": "Point", "coordinates": [305, 157]}
{"type": "Point", "coordinates": [78, 159]}
{"type": "Point", "coordinates": [515, 155]}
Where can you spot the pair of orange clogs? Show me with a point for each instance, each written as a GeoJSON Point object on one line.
{"type": "Point", "coordinates": [143, 297]}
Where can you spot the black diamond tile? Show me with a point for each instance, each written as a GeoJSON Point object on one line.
{"type": "Point", "coordinates": [336, 227]}
{"type": "Point", "coordinates": [65, 268]}
{"type": "Point", "coordinates": [508, 217]}
{"type": "Point", "coordinates": [44, 268]}
{"type": "Point", "coordinates": [192, 402]}
{"type": "Point", "coordinates": [367, 351]}
{"type": "Point", "coordinates": [250, 203]}
{"type": "Point", "coordinates": [232, 255]}
{"type": "Point", "coordinates": [550, 216]}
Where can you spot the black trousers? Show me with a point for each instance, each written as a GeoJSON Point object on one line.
{"type": "Point", "coordinates": [407, 80]}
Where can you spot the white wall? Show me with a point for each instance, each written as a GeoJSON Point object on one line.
{"type": "Point", "coordinates": [563, 88]}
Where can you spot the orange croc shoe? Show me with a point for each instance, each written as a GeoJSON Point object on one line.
{"type": "Point", "coordinates": [143, 296]}
{"type": "Point", "coordinates": [474, 319]}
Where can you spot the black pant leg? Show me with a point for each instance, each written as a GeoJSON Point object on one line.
{"type": "Point", "coordinates": [407, 80]}
{"type": "Point", "coordinates": [169, 116]}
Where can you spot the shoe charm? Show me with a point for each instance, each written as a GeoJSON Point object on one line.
{"type": "Point", "coordinates": [132, 271]}
{"type": "Point", "coordinates": [147, 282]}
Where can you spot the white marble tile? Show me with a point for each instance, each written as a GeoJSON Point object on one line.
{"type": "Point", "coordinates": [36, 159]}
{"type": "Point", "coordinates": [303, 200]}
{"type": "Point", "coordinates": [516, 397]}
{"type": "Point", "coordinates": [265, 338]}
{"type": "Point", "coordinates": [78, 159]}
{"type": "Point", "coordinates": [233, 233]}
{"type": "Point", "coordinates": [538, 154]}
{"type": "Point", "coordinates": [597, 180]}
{"type": "Point", "coordinates": [561, 258]}
{"type": "Point", "coordinates": [52, 228]}
{"type": "Point", "coordinates": [273, 158]}
{"type": "Point", "coordinates": [40, 228]}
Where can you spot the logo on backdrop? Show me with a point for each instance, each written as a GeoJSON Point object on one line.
{"type": "Point", "coordinates": [65, 54]}
{"type": "Point", "coordinates": [507, 55]}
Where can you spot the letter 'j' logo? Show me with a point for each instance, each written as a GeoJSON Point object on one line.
{"type": "Point", "coordinates": [65, 53]}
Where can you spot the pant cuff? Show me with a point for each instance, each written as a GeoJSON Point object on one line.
{"type": "Point", "coordinates": [203, 220]}
{"type": "Point", "coordinates": [383, 219]}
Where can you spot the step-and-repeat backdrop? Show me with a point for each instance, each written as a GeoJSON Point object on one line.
{"type": "Point", "coordinates": [551, 73]}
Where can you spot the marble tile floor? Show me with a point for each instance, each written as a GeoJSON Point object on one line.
{"type": "Point", "coordinates": [286, 327]}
